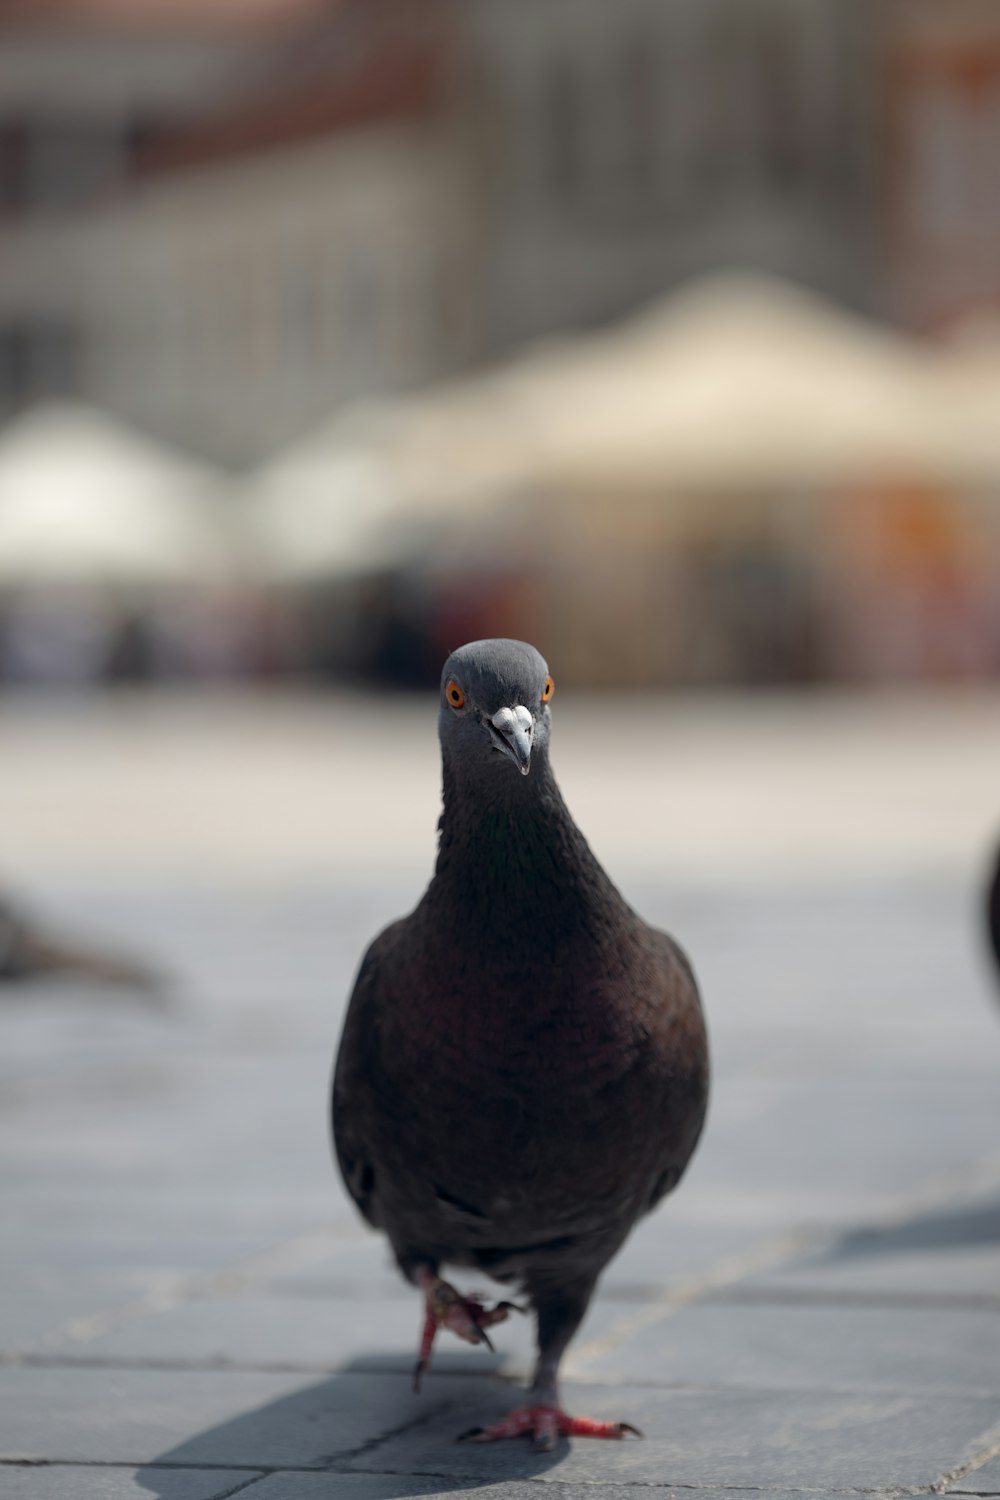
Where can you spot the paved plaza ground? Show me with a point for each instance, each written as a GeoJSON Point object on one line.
{"type": "Point", "coordinates": [189, 1307]}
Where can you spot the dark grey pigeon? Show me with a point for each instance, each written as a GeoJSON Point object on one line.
{"type": "Point", "coordinates": [523, 1071]}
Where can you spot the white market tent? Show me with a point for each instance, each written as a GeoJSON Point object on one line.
{"type": "Point", "coordinates": [737, 384]}
{"type": "Point", "coordinates": [84, 499]}
{"type": "Point", "coordinates": [742, 383]}
{"type": "Point", "coordinates": [319, 509]}
{"type": "Point", "coordinates": [366, 486]}
{"type": "Point", "coordinates": [736, 381]}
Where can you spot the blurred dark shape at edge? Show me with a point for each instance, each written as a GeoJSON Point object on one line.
{"type": "Point", "coordinates": [993, 911]}
{"type": "Point", "coordinates": [30, 950]}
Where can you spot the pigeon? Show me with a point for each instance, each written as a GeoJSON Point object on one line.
{"type": "Point", "coordinates": [523, 1068]}
{"type": "Point", "coordinates": [28, 951]}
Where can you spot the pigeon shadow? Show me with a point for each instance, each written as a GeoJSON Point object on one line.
{"type": "Point", "coordinates": [951, 1229]}
{"type": "Point", "coordinates": [365, 1419]}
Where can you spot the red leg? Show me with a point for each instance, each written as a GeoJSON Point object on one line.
{"type": "Point", "coordinates": [467, 1317]}
{"type": "Point", "coordinates": [426, 1345]}
{"type": "Point", "coordinates": [545, 1424]}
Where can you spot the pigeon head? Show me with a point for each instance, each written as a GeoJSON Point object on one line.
{"type": "Point", "coordinates": [494, 707]}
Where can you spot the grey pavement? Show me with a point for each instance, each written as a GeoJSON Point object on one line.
{"type": "Point", "coordinates": [189, 1308]}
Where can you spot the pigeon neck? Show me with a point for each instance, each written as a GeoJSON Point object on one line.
{"type": "Point", "coordinates": [496, 798]}
{"type": "Point", "coordinates": [510, 855]}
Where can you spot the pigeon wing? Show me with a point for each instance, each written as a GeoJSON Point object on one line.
{"type": "Point", "coordinates": [353, 1104]}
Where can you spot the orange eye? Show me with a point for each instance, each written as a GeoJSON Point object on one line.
{"type": "Point", "coordinates": [454, 694]}
{"type": "Point", "coordinates": [548, 689]}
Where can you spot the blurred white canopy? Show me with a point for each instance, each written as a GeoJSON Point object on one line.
{"type": "Point", "coordinates": [746, 383]}
{"type": "Point", "coordinates": [738, 385]}
{"type": "Point", "coordinates": [85, 499]}
{"type": "Point", "coordinates": [320, 508]}
{"type": "Point", "coordinates": [736, 382]}
{"type": "Point", "coordinates": [365, 486]}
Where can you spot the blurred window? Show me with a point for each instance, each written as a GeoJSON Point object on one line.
{"type": "Point", "coordinates": [641, 83]}
{"type": "Point", "coordinates": [67, 161]}
{"type": "Point", "coordinates": [37, 359]}
{"type": "Point", "coordinates": [783, 139]}
{"type": "Point", "coordinates": [363, 297]}
{"type": "Point", "coordinates": [13, 368]}
{"type": "Point", "coordinates": [444, 288]}
{"type": "Point", "coordinates": [13, 163]}
{"type": "Point", "coordinates": [723, 124]}
{"type": "Point", "coordinates": [749, 125]}
{"type": "Point", "coordinates": [942, 167]}
{"type": "Point", "coordinates": [564, 124]}
{"type": "Point", "coordinates": [54, 363]}
{"type": "Point", "coordinates": [140, 136]}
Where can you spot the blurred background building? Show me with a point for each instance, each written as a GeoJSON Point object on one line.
{"type": "Point", "coordinates": [316, 243]}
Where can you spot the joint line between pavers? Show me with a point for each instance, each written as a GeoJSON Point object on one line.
{"type": "Point", "coordinates": [725, 1272]}
{"type": "Point", "coordinates": [68, 1360]}
{"type": "Point", "coordinates": [989, 1448]}
{"type": "Point", "coordinates": [261, 1471]}
{"type": "Point", "coordinates": [371, 1445]}
{"type": "Point", "coordinates": [627, 1482]}
{"type": "Point", "coordinates": [243, 1486]}
{"type": "Point", "coordinates": [237, 1277]}
{"type": "Point", "coordinates": [936, 1192]}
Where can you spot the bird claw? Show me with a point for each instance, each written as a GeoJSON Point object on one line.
{"type": "Point", "coordinates": [467, 1317]}
{"type": "Point", "coordinates": [507, 1307]}
{"type": "Point", "coordinates": [483, 1316]}
{"type": "Point", "coordinates": [545, 1425]}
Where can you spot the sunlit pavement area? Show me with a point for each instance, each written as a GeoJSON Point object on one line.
{"type": "Point", "coordinates": [189, 1307]}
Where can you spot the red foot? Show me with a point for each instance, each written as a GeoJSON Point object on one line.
{"type": "Point", "coordinates": [467, 1317]}
{"type": "Point", "coordinates": [546, 1424]}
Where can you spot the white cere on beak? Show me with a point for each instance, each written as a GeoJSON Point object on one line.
{"type": "Point", "coordinates": [507, 720]}
{"type": "Point", "coordinates": [516, 727]}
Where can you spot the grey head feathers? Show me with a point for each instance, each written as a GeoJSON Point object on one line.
{"type": "Point", "coordinates": [494, 717]}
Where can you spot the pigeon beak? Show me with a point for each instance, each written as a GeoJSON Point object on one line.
{"type": "Point", "coordinates": [511, 730]}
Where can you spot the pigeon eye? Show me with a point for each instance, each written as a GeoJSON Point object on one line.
{"type": "Point", "coordinates": [454, 694]}
{"type": "Point", "coordinates": [548, 689]}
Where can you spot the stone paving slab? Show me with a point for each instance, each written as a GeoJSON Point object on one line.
{"type": "Point", "coordinates": [35, 1300]}
{"type": "Point", "coordinates": [857, 1050]}
{"type": "Point", "coordinates": [982, 1481]}
{"type": "Point", "coordinates": [839, 1347]}
{"type": "Point", "coordinates": [77, 1482]}
{"type": "Point", "coordinates": [970, 1276]}
{"type": "Point", "coordinates": [824, 1152]}
{"type": "Point", "coordinates": [777, 1439]}
{"type": "Point", "coordinates": [745, 1438]}
{"type": "Point", "coordinates": [392, 1487]}
{"type": "Point", "coordinates": [256, 1331]}
{"type": "Point", "coordinates": [948, 1252]}
{"type": "Point", "coordinates": [230, 1418]}
{"type": "Point", "coordinates": [148, 1237]}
